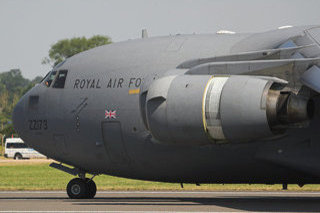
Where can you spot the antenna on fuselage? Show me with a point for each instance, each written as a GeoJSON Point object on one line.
{"type": "Point", "coordinates": [144, 33]}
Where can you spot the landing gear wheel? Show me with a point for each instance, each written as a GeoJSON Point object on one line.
{"type": "Point", "coordinates": [17, 156]}
{"type": "Point", "coordinates": [92, 188]}
{"type": "Point", "coordinates": [77, 189]}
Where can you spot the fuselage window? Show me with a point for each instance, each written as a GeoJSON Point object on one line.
{"type": "Point", "coordinates": [60, 79]}
{"type": "Point", "coordinates": [50, 77]}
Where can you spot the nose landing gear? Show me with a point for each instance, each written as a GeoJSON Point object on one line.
{"type": "Point", "coordinates": [79, 188]}
{"type": "Point", "coordinates": [92, 188]}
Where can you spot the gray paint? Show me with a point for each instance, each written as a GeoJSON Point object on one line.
{"type": "Point", "coordinates": [77, 114]}
{"type": "Point", "coordinates": [243, 111]}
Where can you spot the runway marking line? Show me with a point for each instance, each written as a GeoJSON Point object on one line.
{"type": "Point", "coordinates": [125, 211]}
{"type": "Point", "coordinates": [170, 192]}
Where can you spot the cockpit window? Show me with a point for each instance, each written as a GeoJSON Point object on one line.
{"type": "Point", "coordinates": [60, 79]}
{"type": "Point", "coordinates": [50, 77]}
{"type": "Point", "coordinates": [45, 77]}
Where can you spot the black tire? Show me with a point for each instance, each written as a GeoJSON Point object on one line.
{"type": "Point", "coordinates": [77, 189]}
{"type": "Point", "coordinates": [17, 156]}
{"type": "Point", "coordinates": [92, 188]}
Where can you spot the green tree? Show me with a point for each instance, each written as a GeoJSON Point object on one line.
{"type": "Point", "coordinates": [68, 47]}
{"type": "Point", "coordinates": [12, 86]}
{"type": "Point", "coordinates": [8, 130]}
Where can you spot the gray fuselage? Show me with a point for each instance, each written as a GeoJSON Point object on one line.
{"type": "Point", "coordinates": [94, 123]}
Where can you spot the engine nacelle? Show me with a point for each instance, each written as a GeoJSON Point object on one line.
{"type": "Point", "coordinates": [200, 109]}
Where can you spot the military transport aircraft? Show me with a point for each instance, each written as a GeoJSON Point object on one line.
{"type": "Point", "coordinates": [215, 108]}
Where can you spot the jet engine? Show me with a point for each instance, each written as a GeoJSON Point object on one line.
{"type": "Point", "coordinates": [202, 109]}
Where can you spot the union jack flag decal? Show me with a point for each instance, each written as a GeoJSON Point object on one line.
{"type": "Point", "coordinates": [111, 114]}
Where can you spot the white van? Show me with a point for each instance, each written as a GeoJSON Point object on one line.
{"type": "Point", "coordinates": [15, 148]}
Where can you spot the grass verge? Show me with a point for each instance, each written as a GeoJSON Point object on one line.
{"type": "Point", "coordinates": [41, 177]}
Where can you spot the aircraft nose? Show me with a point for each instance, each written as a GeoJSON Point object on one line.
{"type": "Point", "coordinates": [18, 115]}
{"type": "Point", "coordinates": [25, 115]}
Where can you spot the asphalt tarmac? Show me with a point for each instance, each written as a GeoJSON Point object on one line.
{"type": "Point", "coordinates": [112, 201]}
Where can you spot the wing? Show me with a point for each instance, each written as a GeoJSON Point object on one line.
{"type": "Point", "coordinates": [297, 60]}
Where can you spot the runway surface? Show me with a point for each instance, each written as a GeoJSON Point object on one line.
{"type": "Point", "coordinates": [112, 201]}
